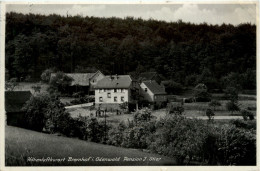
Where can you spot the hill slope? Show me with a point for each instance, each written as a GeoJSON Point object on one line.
{"type": "Point", "coordinates": [22, 143]}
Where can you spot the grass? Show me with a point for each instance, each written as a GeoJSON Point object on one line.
{"type": "Point", "coordinates": [22, 143]}
{"type": "Point", "coordinates": [27, 86]}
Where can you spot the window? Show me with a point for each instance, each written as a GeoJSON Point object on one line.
{"type": "Point", "coordinates": [104, 90]}
{"type": "Point", "coordinates": [108, 95]}
{"type": "Point", "coordinates": [123, 90]}
{"type": "Point", "coordinates": [115, 99]}
{"type": "Point", "coordinates": [99, 90]}
{"type": "Point", "coordinates": [155, 97]}
{"type": "Point", "coordinates": [100, 99]}
{"type": "Point", "coordinates": [145, 89]}
{"type": "Point", "coordinates": [122, 99]}
{"type": "Point", "coordinates": [119, 90]}
{"type": "Point", "coordinates": [115, 90]}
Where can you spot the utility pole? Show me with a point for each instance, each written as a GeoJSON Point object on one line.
{"type": "Point", "coordinates": [105, 124]}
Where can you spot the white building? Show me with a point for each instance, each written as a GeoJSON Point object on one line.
{"type": "Point", "coordinates": [153, 92]}
{"type": "Point", "coordinates": [114, 90]}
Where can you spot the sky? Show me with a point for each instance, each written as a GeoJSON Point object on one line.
{"type": "Point", "coordinates": [195, 13]}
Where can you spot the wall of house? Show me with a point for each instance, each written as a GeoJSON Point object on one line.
{"type": "Point", "coordinates": [160, 98]}
{"type": "Point", "coordinates": [104, 94]}
{"type": "Point", "coordinates": [147, 95]}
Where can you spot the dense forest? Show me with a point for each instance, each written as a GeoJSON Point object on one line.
{"type": "Point", "coordinates": [185, 53]}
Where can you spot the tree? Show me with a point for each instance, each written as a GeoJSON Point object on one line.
{"type": "Point", "coordinates": [60, 82]}
{"type": "Point", "coordinates": [232, 80]}
{"type": "Point", "coordinates": [124, 106]}
{"type": "Point", "coordinates": [176, 109]}
{"type": "Point", "coordinates": [172, 87]}
{"type": "Point", "coordinates": [202, 96]}
{"type": "Point", "coordinates": [142, 115]}
{"type": "Point", "coordinates": [46, 111]}
{"type": "Point", "coordinates": [214, 104]}
{"type": "Point", "coordinates": [36, 88]}
{"type": "Point", "coordinates": [11, 84]}
{"type": "Point", "coordinates": [46, 75]}
{"type": "Point", "coordinates": [231, 93]}
{"type": "Point", "coordinates": [35, 109]}
{"type": "Point", "coordinates": [232, 106]}
{"type": "Point", "coordinates": [210, 114]}
{"type": "Point", "coordinates": [247, 115]}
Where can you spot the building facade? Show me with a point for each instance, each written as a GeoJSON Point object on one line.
{"type": "Point", "coordinates": [153, 92]}
{"type": "Point", "coordinates": [114, 90]}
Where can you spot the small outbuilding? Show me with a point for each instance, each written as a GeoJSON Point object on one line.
{"type": "Point", "coordinates": [14, 102]}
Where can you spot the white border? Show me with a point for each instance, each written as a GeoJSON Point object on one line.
{"type": "Point", "coordinates": [127, 168]}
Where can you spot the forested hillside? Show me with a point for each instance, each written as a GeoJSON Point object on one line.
{"type": "Point", "coordinates": [183, 52]}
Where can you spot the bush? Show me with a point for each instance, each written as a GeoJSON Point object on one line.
{"type": "Point", "coordinates": [232, 106]}
{"type": "Point", "coordinates": [46, 75]}
{"type": "Point", "coordinates": [210, 114]}
{"type": "Point", "coordinates": [142, 115]}
{"type": "Point", "coordinates": [244, 124]}
{"type": "Point", "coordinates": [35, 112]}
{"type": "Point", "coordinates": [60, 82]}
{"type": "Point", "coordinates": [174, 135]}
{"type": "Point", "coordinates": [175, 108]}
{"type": "Point", "coordinates": [236, 146]}
{"type": "Point", "coordinates": [214, 104]}
{"type": "Point", "coordinates": [46, 111]}
{"type": "Point", "coordinates": [246, 114]}
{"type": "Point", "coordinates": [203, 96]}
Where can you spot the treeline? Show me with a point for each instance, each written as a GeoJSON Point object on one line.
{"type": "Point", "coordinates": [181, 52]}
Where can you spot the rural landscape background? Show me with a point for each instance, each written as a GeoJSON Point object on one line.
{"type": "Point", "coordinates": [208, 72]}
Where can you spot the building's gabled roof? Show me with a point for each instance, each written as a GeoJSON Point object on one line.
{"type": "Point", "coordinates": [14, 100]}
{"type": "Point", "coordinates": [96, 74]}
{"type": "Point", "coordinates": [154, 87]}
{"type": "Point", "coordinates": [114, 81]}
{"type": "Point", "coordinates": [81, 79]}
{"type": "Point", "coordinates": [147, 76]}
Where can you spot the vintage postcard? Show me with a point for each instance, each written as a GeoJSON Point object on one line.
{"type": "Point", "coordinates": [129, 84]}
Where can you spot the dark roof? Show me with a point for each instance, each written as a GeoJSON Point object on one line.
{"type": "Point", "coordinates": [14, 100]}
{"type": "Point", "coordinates": [147, 76]}
{"type": "Point", "coordinates": [81, 79]}
{"type": "Point", "coordinates": [115, 81]}
{"type": "Point", "coordinates": [155, 87]}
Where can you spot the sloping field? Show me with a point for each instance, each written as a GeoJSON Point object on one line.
{"type": "Point", "coordinates": [23, 145]}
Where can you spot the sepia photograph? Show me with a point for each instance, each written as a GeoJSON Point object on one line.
{"type": "Point", "coordinates": [145, 84]}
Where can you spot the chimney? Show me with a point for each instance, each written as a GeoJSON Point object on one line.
{"type": "Point", "coordinates": [116, 77]}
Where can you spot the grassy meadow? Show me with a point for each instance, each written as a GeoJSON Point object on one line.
{"type": "Point", "coordinates": [21, 144]}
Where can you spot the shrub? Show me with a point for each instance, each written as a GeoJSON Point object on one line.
{"type": "Point", "coordinates": [175, 108]}
{"type": "Point", "coordinates": [236, 146]}
{"type": "Point", "coordinates": [244, 124]}
{"type": "Point", "coordinates": [115, 134]}
{"type": "Point", "coordinates": [35, 111]}
{"type": "Point", "coordinates": [142, 115]}
{"type": "Point", "coordinates": [45, 111]}
{"type": "Point", "coordinates": [174, 135]}
{"type": "Point", "coordinates": [46, 75]}
{"type": "Point", "coordinates": [214, 104]}
{"type": "Point", "coordinates": [60, 82]}
{"type": "Point", "coordinates": [246, 114]}
{"type": "Point", "coordinates": [232, 106]}
{"type": "Point", "coordinates": [210, 114]}
{"type": "Point", "coordinates": [203, 96]}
